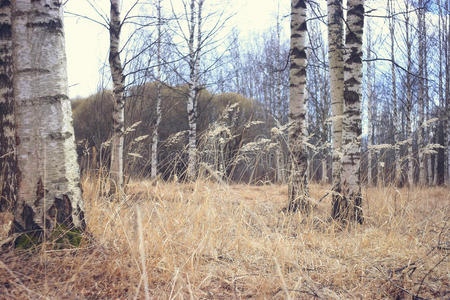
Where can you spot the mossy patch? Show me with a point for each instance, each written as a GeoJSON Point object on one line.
{"type": "Point", "coordinates": [60, 238]}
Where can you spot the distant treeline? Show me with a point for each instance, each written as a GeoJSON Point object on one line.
{"type": "Point", "coordinates": [229, 126]}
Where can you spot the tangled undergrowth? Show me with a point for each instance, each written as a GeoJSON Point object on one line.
{"type": "Point", "coordinates": [209, 240]}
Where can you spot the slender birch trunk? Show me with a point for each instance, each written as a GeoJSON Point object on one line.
{"type": "Point", "coordinates": [369, 109]}
{"type": "Point", "coordinates": [194, 64]}
{"type": "Point", "coordinates": [447, 95]}
{"type": "Point", "coordinates": [155, 136]}
{"type": "Point", "coordinates": [440, 91]}
{"type": "Point", "coordinates": [278, 156]}
{"type": "Point", "coordinates": [336, 62]}
{"type": "Point", "coordinates": [49, 189]}
{"type": "Point", "coordinates": [115, 65]}
{"type": "Point", "coordinates": [324, 169]}
{"type": "Point", "coordinates": [380, 172]}
{"type": "Point", "coordinates": [429, 179]}
{"type": "Point", "coordinates": [9, 177]}
{"type": "Point", "coordinates": [398, 165]}
{"type": "Point", "coordinates": [350, 208]}
{"type": "Point", "coordinates": [435, 168]}
{"type": "Point", "coordinates": [409, 152]}
{"type": "Point", "coordinates": [298, 181]}
{"type": "Point", "coordinates": [279, 73]}
{"type": "Point", "coordinates": [420, 129]}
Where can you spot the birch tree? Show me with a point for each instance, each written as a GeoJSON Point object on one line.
{"type": "Point", "coordinates": [193, 84]}
{"type": "Point", "coordinates": [421, 96]}
{"type": "Point", "coordinates": [397, 159]}
{"type": "Point", "coordinates": [409, 100]}
{"type": "Point", "coordinates": [350, 205]}
{"type": "Point", "coordinates": [370, 95]}
{"type": "Point", "coordinates": [49, 190]}
{"type": "Point", "coordinates": [155, 136]}
{"type": "Point", "coordinates": [336, 63]}
{"type": "Point", "coordinates": [298, 188]}
{"type": "Point", "coordinates": [8, 156]}
{"type": "Point", "coordinates": [115, 64]}
{"type": "Point", "coordinates": [446, 105]}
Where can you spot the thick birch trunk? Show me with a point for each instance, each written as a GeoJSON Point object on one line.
{"type": "Point", "coordinates": [49, 189]}
{"type": "Point", "coordinates": [350, 208]}
{"type": "Point", "coordinates": [155, 136]}
{"type": "Point", "coordinates": [336, 62]}
{"type": "Point", "coordinates": [115, 64]}
{"type": "Point", "coordinates": [298, 188]}
{"type": "Point", "coordinates": [8, 155]}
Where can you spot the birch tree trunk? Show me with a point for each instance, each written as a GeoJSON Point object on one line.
{"type": "Point", "coordinates": [49, 189]}
{"type": "Point", "coordinates": [8, 155]}
{"type": "Point", "coordinates": [447, 94]}
{"type": "Point", "coordinates": [194, 64]}
{"type": "Point", "coordinates": [398, 165]}
{"type": "Point", "coordinates": [369, 78]}
{"type": "Point", "coordinates": [409, 152]}
{"type": "Point", "coordinates": [297, 187]}
{"type": "Point", "coordinates": [336, 62]}
{"type": "Point", "coordinates": [115, 65]}
{"type": "Point", "coordinates": [420, 130]}
{"type": "Point", "coordinates": [155, 136]}
{"type": "Point", "coordinates": [324, 170]}
{"type": "Point", "coordinates": [350, 206]}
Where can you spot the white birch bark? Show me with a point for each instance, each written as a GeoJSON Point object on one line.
{"type": "Point", "coordinates": [398, 165]}
{"type": "Point", "coordinates": [155, 136]}
{"type": "Point", "coordinates": [370, 103]}
{"type": "Point", "coordinates": [409, 152]}
{"type": "Point", "coordinates": [446, 105]}
{"type": "Point", "coordinates": [194, 64]}
{"type": "Point", "coordinates": [336, 62]}
{"type": "Point", "coordinates": [8, 155]}
{"type": "Point", "coordinates": [297, 187]}
{"type": "Point", "coordinates": [420, 129]}
{"type": "Point", "coordinates": [324, 170]}
{"type": "Point", "coordinates": [49, 189]}
{"type": "Point", "coordinates": [115, 64]}
{"type": "Point", "coordinates": [440, 88]}
{"type": "Point", "coordinates": [351, 206]}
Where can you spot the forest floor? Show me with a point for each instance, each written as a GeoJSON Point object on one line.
{"type": "Point", "coordinates": [207, 240]}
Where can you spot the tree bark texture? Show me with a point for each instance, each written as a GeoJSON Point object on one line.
{"type": "Point", "coordinates": [298, 188]}
{"type": "Point", "coordinates": [115, 65]}
{"type": "Point", "coordinates": [409, 104]}
{"type": "Point", "coordinates": [421, 98]}
{"type": "Point", "coordinates": [194, 64]}
{"type": "Point", "coordinates": [155, 136]}
{"type": "Point", "coordinates": [336, 62]}
{"type": "Point", "coordinates": [350, 207]}
{"type": "Point", "coordinates": [398, 165]}
{"type": "Point", "coordinates": [8, 156]}
{"type": "Point", "coordinates": [49, 186]}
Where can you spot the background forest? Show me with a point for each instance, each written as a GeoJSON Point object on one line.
{"type": "Point", "coordinates": [405, 98]}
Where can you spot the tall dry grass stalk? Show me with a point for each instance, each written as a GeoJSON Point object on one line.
{"type": "Point", "coordinates": [210, 240]}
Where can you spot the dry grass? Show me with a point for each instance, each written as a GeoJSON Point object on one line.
{"type": "Point", "coordinates": [205, 240]}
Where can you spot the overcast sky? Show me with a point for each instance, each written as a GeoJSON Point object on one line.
{"type": "Point", "coordinates": [87, 43]}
